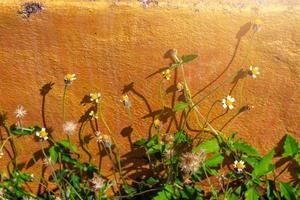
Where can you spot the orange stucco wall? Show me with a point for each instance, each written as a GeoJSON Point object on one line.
{"type": "Point", "coordinates": [109, 46]}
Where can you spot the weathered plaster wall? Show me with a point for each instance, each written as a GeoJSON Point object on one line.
{"type": "Point", "coordinates": [112, 45]}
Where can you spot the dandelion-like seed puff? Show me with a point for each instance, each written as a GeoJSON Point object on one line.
{"type": "Point", "coordinates": [69, 127]}
{"type": "Point", "coordinates": [190, 162]}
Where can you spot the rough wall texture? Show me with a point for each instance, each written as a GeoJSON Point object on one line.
{"type": "Point", "coordinates": [114, 47]}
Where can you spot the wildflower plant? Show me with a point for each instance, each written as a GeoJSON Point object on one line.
{"type": "Point", "coordinates": [180, 161]}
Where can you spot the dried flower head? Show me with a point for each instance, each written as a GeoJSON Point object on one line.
{"type": "Point", "coordinates": [167, 74]}
{"type": "Point", "coordinates": [169, 154]}
{"type": "Point", "coordinates": [69, 127]}
{"type": "Point", "coordinates": [256, 26]}
{"type": "Point", "coordinates": [69, 78]}
{"type": "Point", "coordinates": [180, 86]}
{"type": "Point", "coordinates": [190, 162]}
{"type": "Point", "coordinates": [168, 139]}
{"type": "Point", "coordinates": [254, 71]}
{"type": "Point", "coordinates": [20, 112]}
{"type": "Point", "coordinates": [42, 134]}
{"type": "Point", "coordinates": [95, 97]}
{"type": "Point", "coordinates": [31, 8]}
{"type": "Point", "coordinates": [105, 139]}
{"type": "Point", "coordinates": [239, 166]}
{"type": "Point", "coordinates": [93, 115]}
{"type": "Point", "coordinates": [228, 102]}
{"type": "Point", "coordinates": [157, 124]}
{"type": "Point", "coordinates": [173, 54]}
{"type": "Point", "coordinates": [126, 101]}
{"type": "Point", "coordinates": [98, 182]}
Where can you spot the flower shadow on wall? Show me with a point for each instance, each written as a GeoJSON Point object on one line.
{"type": "Point", "coordinates": [165, 164]}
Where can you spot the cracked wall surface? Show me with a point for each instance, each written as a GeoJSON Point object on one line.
{"type": "Point", "coordinates": [116, 46]}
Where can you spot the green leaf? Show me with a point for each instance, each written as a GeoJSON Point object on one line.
{"type": "Point", "coordinates": [181, 137]}
{"type": "Point", "coordinates": [129, 190]}
{"type": "Point", "coordinates": [140, 142]}
{"type": "Point", "coordinates": [152, 181]}
{"type": "Point", "coordinates": [53, 154]}
{"type": "Point", "coordinates": [188, 58]}
{"type": "Point", "coordinates": [264, 166]}
{"type": "Point", "coordinates": [68, 145]}
{"type": "Point", "coordinates": [251, 194]}
{"type": "Point", "coordinates": [290, 146]}
{"type": "Point", "coordinates": [209, 146]}
{"type": "Point", "coordinates": [287, 191]}
{"type": "Point", "coordinates": [23, 131]}
{"type": "Point", "coordinates": [214, 161]}
{"type": "Point", "coordinates": [245, 148]}
{"type": "Point", "coordinates": [180, 106]}
{"type": "Point", "coordinates": [166, 194]}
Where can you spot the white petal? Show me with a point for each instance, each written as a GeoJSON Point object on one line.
{"type": "Point", "coordinates": [251, 68]}
{"type": "Point", "coordinates": [256, 68]}
{"type": "Point", "coordinates": [223, 100]}
{"type": "Point", "coordinates": [228, 97]}
{"type": "Point", "coordinates": [257, 72]}
{"type": "Point", "coordinates": [37, 133]}
{"type": "Point", "coordinates": [43, 129]}
{"type": "Point", "coordinates": [253, 76]}
{"type": "Point", "coordinates": [232, 99]}
{"type": "Point", "coordinates": [231, 107]}
{"type": "Point", "coordinates": [224, 106]}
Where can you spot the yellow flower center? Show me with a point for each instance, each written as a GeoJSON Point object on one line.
{"type": "Point", "coordinates": [156, 122]}
{"type": "Point", "coordinates": [240, 165]}
{"type": "Point", "coordinates": [43, 134]}
{"type": "Point", "coordinates": [254, 71]}
{"type": "Point", "coordinates": [94, 96]}
{"type": "Point", "coordinates": [258, 22]}
{"type": "Point", "coordinates": [125, 98]}
{"type": "Point", "coordinates": [228, 102]}
{"type": "Point", "coordinates": [69, 77]}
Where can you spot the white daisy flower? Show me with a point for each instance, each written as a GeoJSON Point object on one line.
{"type": "Point", "coordinates": [69, 127]}
{"type": "Point", "coordinates": [20, 112]}
{"type": "Point", "coordinates": [69, 78]}
{"type": "Point", "coordinates": [95, 97]}
{"type": "Point", "coordinates": [228, 102]}
{"type": "Point", "coordinates": [1, 153]}
{"type": "Point", "coordinates": [42, 134]}
{"type": "Point", "coordinates": [254, 71]}
{"type": "Point", "coordinates": [239, 166]}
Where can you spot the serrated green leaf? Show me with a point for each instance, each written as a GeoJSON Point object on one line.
{"type": "Point", "coordinates": [180, 106]}
{"type": "Point", "coordinates": [251, 194]}
{"type": "Point", "coordinates": [140, 142]}
{"type": "Point", "coordinates": [188, 58]}
{"type": "Point", "coordinates": [209, 146]}
{"type": "Point", "coordinates": [290, 146]}
{"type": "Point", "coordinates": [264, 166]}
{"type": "Point", "coordinates": [287, 191]}
{"type": "Point", "coordinates": [129, 190]}
{"type": "Point", "coordinates": [68, 145]}
{"type": "Point", "coordinates": [245, 148]}
{"type": "Point", "coordinates": [214, 161]}
{"type": "Point", "coordinates": [181, 137]}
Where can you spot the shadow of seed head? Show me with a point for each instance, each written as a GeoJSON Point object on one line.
{"type": "Point", "coordinates": [30, 8]}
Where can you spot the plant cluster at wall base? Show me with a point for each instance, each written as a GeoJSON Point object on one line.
{"type": "Point", "coordinates": [195, 161]}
